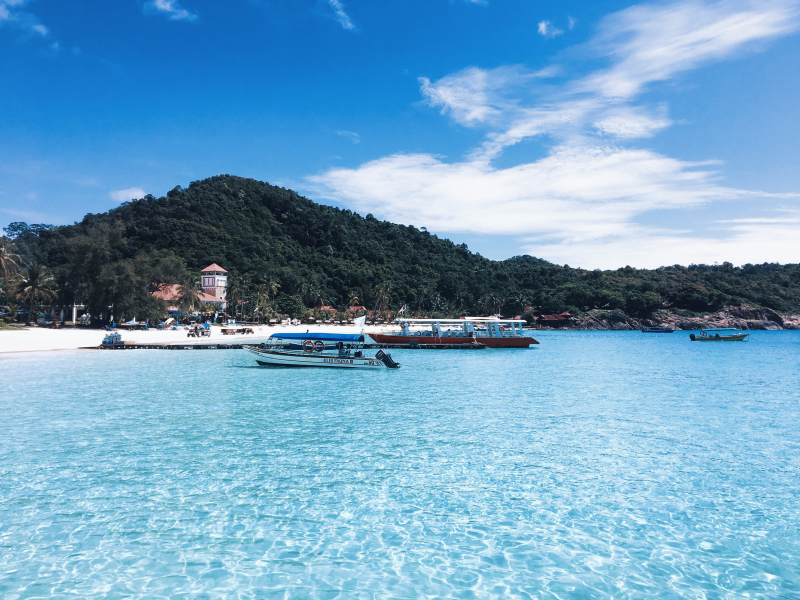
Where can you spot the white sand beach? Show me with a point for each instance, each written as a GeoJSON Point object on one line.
{"type": "Point", "coordinates": [36, 339]}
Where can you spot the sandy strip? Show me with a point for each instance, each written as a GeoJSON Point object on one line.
{"type": "Point", "coordinates": [38, 339]}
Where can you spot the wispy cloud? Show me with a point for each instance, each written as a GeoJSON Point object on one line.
{"type": "Point", "coordinates": [632, 123]}
{"type": "Point", "coordinates": [740, 242]}
{"type": "Point", "coordinates": [341, 15]}
{"type": "Point", "coordinates": [12, 13]}
{"type": "Point", "coordinates": [477, 96]}
{"type": "Point", "coordinates": [133, 193]}
{"type": "Point", "coordinates": [172, 9]}
{"type": "Point", "coordinates": [654, 43]}
{"type": "Point", "coordinates": [584, 201]}
{"type": "Point", "coordinates": [351, 135]}
{"type": "Point", "coordinates": [547, 30]}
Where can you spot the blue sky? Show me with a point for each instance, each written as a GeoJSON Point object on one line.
{"type": "Point", "coordinates": [598, 134]}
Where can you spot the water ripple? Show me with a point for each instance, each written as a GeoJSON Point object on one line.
{"type": "Point", "coordinates": [598, 465]}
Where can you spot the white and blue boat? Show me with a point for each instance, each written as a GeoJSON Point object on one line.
{"type": "Point", "coordinates": [329, 350]}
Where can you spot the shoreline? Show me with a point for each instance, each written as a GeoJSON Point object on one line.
{"type": "Point", "coordinates": [40, 339]}
{"type": "Point", "coordinates": [744, 318]}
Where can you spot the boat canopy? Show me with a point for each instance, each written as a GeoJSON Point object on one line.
{"type": "Point", "coordinates": [323, 337]}
{"type": "Point", "coordinates": [718, 329]}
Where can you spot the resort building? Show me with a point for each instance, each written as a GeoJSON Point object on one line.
{"type": "Point", "coordinates": [563, 320]}
{"type": "Point", "coordinates": [215, 282]}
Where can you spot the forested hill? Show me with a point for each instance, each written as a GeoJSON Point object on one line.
{"type": "Point", "coordinates": [325, 255]}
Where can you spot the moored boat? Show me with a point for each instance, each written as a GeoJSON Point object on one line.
{"type": "Point", "coordinates": [720, 334]}
{"type": "Point", "coordinates": [329, 350]}
{"type": "Point", "coordinates": [494, 333]}
{"type": "Point", "coordinates": [658, 329]}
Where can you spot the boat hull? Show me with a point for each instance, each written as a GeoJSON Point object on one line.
{"type": "Point", "coordinates": [491, 342]}
{"type": "Point", "coordinates": [269, 358]}
{"type": "Point", "coordinates": [720, 338]}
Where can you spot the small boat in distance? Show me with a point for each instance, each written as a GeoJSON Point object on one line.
{"type": "Point", "coordinates": [492, 332]}
{"type": "Point", "coordinates": [720, 334]}
{"type": "Point", "coordinates": [331, 350]}
{"type": "Point", "coordinates": [658, 329]}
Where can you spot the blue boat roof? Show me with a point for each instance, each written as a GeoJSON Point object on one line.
{"type": "Point", "coordinates": [323, 337]}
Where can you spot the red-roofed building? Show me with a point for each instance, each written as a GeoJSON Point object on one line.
{"type": "Point", "coordinates": [214, 268]}
{"type": "Point", "coordinates": [215, 283]}
{"type": "Point", "coordinates": [554, 320]}
{"type": "Point", "coordinates": [172, 292]}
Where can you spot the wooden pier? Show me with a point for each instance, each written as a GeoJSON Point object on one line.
{"type": "Point", "coordinates": [207, 346]}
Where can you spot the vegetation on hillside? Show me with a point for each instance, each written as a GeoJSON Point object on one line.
{"type": "Point", "coordinates": [285, 254]}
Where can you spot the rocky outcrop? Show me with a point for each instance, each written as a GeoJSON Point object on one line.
{"type": "Point", "coordinates": [740, 317]}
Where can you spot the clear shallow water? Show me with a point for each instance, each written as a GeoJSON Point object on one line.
{"type": "Point", "coordinates": [597, 465]}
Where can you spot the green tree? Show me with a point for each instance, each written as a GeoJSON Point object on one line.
{"type": "Point", "coordinates": [9, 259]}
{"type": "Point", "coordinates": [272, 288]}
{"type": "Point", "coordinates": [32, 284]}
{"type": "Point", "coordinates": [383, 294]}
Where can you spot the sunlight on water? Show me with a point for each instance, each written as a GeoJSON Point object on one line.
{"type": "Point", "coordinates": [596, 465]}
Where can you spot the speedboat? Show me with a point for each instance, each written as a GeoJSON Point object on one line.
{"type": "Point", "coordinates": [658, 329]}
{"type": "Point", "coordinates": [331, 350]}
{"type": "Point", "coordinates": [720, 334]}
{"type": "Point", "coordinates": [489, 331]}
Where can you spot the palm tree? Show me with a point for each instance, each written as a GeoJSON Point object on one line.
{"type": "Point", "coordinates": [261, 295]}
{"type": "Point", "coordinates": [489, 303]}
{"type": "Point", "coordinates": [422, 292]}
{"type": "Point", "coordinates": [13, 309]}
{"type": "Point", "coordinates": [382, 294]}
{"type": "Point", "coordinates": [8, 259]}
{"type": "Point", "coordinates": [352, 299]}
{"type": "Point", "coordinates": [32, 284]}
{"type": "Point", "coordinates": [190, 296]}
{"type": "Point", "coordinates": [310, 294]}
{"type": "Point", "coordinates": [272, 288]}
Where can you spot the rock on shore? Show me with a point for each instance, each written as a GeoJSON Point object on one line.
{"type": "Point", "coordinates": [741, 317]}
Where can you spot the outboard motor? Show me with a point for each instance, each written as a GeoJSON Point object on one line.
{"type": "Point", "coordinates": [386, 359]}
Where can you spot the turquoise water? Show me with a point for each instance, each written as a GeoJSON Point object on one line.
{"type": "Point", "coordinates": [596, 465]}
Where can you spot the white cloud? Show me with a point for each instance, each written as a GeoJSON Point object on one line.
{"type": "Point", "coordinates": [585, 201]}
{"type": "Point", "coordinates": [579, 191]}
{"type": "Point", "coordinates": [628, 123]}
{"type": "Point", "coordinates": [465, 95]}
{"type": "Point", "coordinates": [476, 96]}
{"type": "Point", "coordinates": [172, 9]}
{"type": "Point", "coordinates": [352, 135]}
{"type": "Point", "coordinates": [133, 193]}
{"type": "Point", "coordinates": [10, 13]}
{"type": "Point", "coordinates": [580, 204]}
{"type": "Point", "coordinates": [752, 241]}
{"type": "Point", "coordinates": [652, 43]}
{"type": "Point", "coordinates": [341, 16]}
{"type": "Point", "coordinates": [547, 30]}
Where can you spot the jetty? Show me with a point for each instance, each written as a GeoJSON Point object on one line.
{"type": "Point", "coordinates": [219, 346]}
